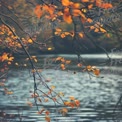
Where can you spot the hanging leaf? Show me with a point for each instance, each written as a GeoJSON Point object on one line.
{"type": "Point", "coordinates": [65, 2]}
{"type": "Point", "coordinates": [67, 17]}
{"type": "Point", "coordinates": [38, 11]}
{"type": "Point", "coordinates": [47, 118]}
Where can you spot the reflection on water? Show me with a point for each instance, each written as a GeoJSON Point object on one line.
{"type": "Point", "coordinates": [97, 95]}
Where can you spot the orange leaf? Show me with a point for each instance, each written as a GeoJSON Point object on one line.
{"type": "Point", "coordinates": [76, 12]}
{"type": "Point", "coordinates": [77, 102]}
{"type": "Point", "coordinates": [67, 18]}
{"type": "Point", "coordinates": [90, 6]}
{"type": "Point", "coordinates": [71, 98]}
{"type": "Point", "coordinates": [30, 40]}
{"type": "Point", "coordinates": [85, 1]}
{"type": "Point", "coordinates": [47, 118]}
{"type": "Point", "coordinates": [65, 2]}
{"type": "Point", "coordinates": [63, 35]}
{"type": "Point", "coordinates": [47, 112]}
{"type": "Point", "coordinates": [62, 66]}
{"type": "Point", "coordinates": [96, 30]}
{"type": "Point", "coordinates": [38, 11]}
{"type": "Point", "coordinates": [81, 35]}
{"type": "Point", "coordinates": [96, 72]}
{"type": "Point", "coordinates": [76, 5]}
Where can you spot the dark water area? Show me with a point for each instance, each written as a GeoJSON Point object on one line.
{"type": "Point", "coordinates": [98, 95]}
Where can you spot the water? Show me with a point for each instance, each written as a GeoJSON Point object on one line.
{"type": "Point", "coordinates": [98, 96]}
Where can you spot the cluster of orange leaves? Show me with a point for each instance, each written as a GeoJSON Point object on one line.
{"type": "Point", "coordinates": [98, 28]}
{"type": "Point", "coordinates": [72, 103]}
{"type": "Point", "coordinates": [90, 68]}
{"type": "Point", "coordinates": [63, 62]}
{"type": "Point", "coordinates": [93, 69]}
{"type": "Point", "coordinates": [59, 32]}
{"type": "Point", "coordinates": [8, 39]}
{"type": "Point", "coordinates": [6, 57]}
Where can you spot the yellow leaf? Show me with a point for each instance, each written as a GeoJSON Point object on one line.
{"type": "Point", "coordinates": [81, 35]}
{"type": "Point", "coordinates": [58, 58]}
{"type": "Point", "coordinates": [30, 41]}
{"type": "Point", "coordinates": [49, 48]}
{"type": "Point", "coordinates": [68, 62]}
{"type": "Point", "coordinates": [9, 62]}
{"type": "Point", "coordinates": [52, 87]}
{"type": "Point", "coordinates": [35, 60]}
{"type": "Point", "coordinates": [71, 98]}
{"type": "Point", "coordinates": [102, 30]}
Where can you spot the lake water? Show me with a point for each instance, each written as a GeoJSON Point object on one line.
{"type": "Point", "coordinates": [98, 95]}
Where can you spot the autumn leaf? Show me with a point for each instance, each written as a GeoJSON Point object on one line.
{"type": "Point", "coordinates": [77, 102]}
{"type": "Point", "coordinates": [64, 111]}
{"type": "Point", "coordinates": [71, 98]}
{"type": "Point", "coordinates": [76, 12]}
{"type": "Point", "coordinates": [49, 48]}
{"type": "Point", "coordinates": [30, 41]}
{"type": "Point", "coordinates": [68, 62]}
{"type": "Point", "coordinates": [96, 72]}
{"type": "Point", "coordinates": [90, 6]}
{"type": "Point", "coordinates": [62, 66]}
{"type": "Point", "coordinates": [81, 34]}
{"type": "Point", "coordinates": [47, 112]}
{"type": "Point", "coordinates": [75, 5]}
{"type": "Point", "coordinates": [89, 20]}
{"type": "Point", "coordinates": [102, 30]}
{"type": "Point", "coordinates": [52, 87]}
{"type": "Point", "coordinates": [47, 118]}
{"type": "Point", "coordinates": [63, 35]}
{"type": "Point", "coordinates": [58, 58]}
{"type": "Point", "coordinates": [4, 57]}
{"type": "Point", "coordinates": [84, 1]}
{"type": "Point", "coordinates": [89, 68]}
{"type": "Point", "coordinates": [96, 30]}
{"type": "Point", "coordinates": [38, 11]}
{"type": "Point", "coordinates": [65, 2]}
{"type": "Point", "coordinates": [67, 17]}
